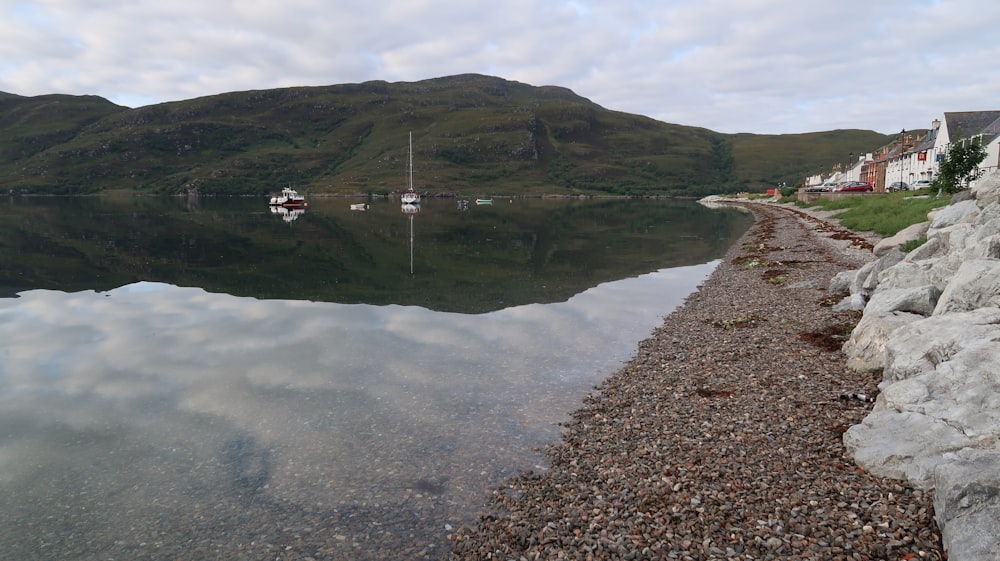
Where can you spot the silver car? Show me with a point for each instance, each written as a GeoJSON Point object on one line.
{"type": "Point", "coordinates": [824, 188]}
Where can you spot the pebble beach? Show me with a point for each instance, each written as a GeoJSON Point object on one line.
{"type": "Point", "coordinates": [722, 437]}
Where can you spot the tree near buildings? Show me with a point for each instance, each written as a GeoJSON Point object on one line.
{"type": "Point", "coordinates": [959, 166]}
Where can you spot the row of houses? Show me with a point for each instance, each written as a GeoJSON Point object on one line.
{"type": "Point", "coordinates": [915, 156]}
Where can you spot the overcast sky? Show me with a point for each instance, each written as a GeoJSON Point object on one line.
{"type": "Point", "coordinates": [761, 66]}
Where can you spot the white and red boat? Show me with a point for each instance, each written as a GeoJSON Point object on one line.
{"type": "Point", "coordinates": [288, 198]}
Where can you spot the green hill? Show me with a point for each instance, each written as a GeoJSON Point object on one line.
{"type": "Point", "coordinates": [791, 157]}
{"type": "Point", "coordinates": [472, 134]}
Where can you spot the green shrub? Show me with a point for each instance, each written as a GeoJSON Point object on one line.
{"type": "Point", "coordinates": [959, 166]}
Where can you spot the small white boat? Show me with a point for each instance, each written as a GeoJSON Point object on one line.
{"type": "Point", "coordinates": [484, 201]}
{"type": "Point", "coordinates": [359, 206]}
{"type": "Point", "coordinates": [288, 198]}
{"type": "Point", "coordinates": [410, 196]}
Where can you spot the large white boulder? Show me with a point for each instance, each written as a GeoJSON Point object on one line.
{"type": "Point", "coordinates": [865, 349]}
{"type": "Point", "coordinates": [910, 274]}
{"type": "Point", "coordinates": [842, 281]}
{"type": "Point", "coordinates": [966, 506]}
{"type": "Point", "coordinates": [986, 190]}
{"type": "Point", "coordinates": [911, 233]}
{"type": "Point", "coordinates": [886, 444]}
{"type": "Point", "coordinates": [976, 284]}
{"type": "Point", "coordinates": [936, 421]}
{"type": "Point", "coordinates": [950, 215]}
{"type": "Point", "coordinates": [920, 346]}
{"type": "Point", "coordinates": [927, 418]}
{"type": "Point", "coordinates": [867, 278]}
{"type": "Point", "coordinates": [914, 299]}
{"type": "Point", "coordinates": [931, 249]}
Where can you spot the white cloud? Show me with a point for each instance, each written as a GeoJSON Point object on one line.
{"type": "Point", "coordinates": [732, 66]}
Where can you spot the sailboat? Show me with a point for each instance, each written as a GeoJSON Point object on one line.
{"type": "Point", "coordinates": [410, 197]}
{"type": "Point", "coordinates": [411, 200]}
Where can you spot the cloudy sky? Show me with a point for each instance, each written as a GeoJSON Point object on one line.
{"type": "Point", "coordinates": [762, 66]}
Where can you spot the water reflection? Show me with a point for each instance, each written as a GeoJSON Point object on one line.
{"type": "Point", "coordinates": [196, 379]}
{"type": "Point", "coordinates": [480, 259]}
{"type": "Point", "coordinates": [410, 210]}
{"type": "Point", "coordinates": [287, 214]}
{"type": "Point", "coordinates": [159, 422]}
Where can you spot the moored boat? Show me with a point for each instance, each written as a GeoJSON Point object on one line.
{"type": "Point", "coordinates": [410, 196]}
{"type": "Point", "coordinates": [288, 198]}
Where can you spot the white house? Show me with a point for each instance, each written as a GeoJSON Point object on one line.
{"type": "Point", "coordinates": [965, 126]}
{"type": "Point", "coordinates": [918, 160]}
{"type": "Point", "coordinates": [914, 157]}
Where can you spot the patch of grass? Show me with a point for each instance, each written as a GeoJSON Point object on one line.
{"type": "Point", "coordinates": [912, 244]}
{"type": "Point", "coordinates": [883, 213]}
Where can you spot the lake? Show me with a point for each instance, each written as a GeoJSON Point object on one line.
{"type": "Point", "coordinates": [208, 379]}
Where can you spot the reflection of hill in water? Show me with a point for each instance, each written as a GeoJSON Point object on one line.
{"type": "Point", "coordinates": [472, 261]}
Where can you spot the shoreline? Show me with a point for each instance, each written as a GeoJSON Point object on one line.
{"type": "Point", "coordinates": [722, 436]}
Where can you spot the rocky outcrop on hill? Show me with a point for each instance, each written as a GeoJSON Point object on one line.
{"type": "Point", "coordinates": [931, 323]}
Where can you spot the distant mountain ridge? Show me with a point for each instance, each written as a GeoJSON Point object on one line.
{"type": "Point", "coordinates": [472, 134]}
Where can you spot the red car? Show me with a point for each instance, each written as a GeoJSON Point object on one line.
{"type": "Point", "coordinates": [854, 187]}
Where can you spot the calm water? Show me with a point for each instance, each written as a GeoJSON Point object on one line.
{"type": "Point", "coordinates": [209, 380]}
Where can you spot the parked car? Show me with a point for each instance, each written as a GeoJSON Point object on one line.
{"type": "Point", "coordinates": [824, 188]}
{"type": "Point", "coordinates": [854, 187]}
{"type": "Point", "coordinates": [898, 186]}
{"type": "Point", "coordinates": [920, 184]}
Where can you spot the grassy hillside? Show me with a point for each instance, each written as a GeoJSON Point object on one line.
{"type": "Point", "coordinates": [789, 158]}
{"type": "Point", "coordinates": [472, 135]}
{"type": "Point", "coordinates": [33, 125]}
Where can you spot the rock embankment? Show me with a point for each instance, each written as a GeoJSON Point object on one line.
{"type": "Point", "coordinates": [931, 327]}
{"type": "Point", "coordinates": [722, 438]}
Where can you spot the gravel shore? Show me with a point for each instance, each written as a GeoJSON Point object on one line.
{"type": "Point", "coordinates": [721, 439]}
